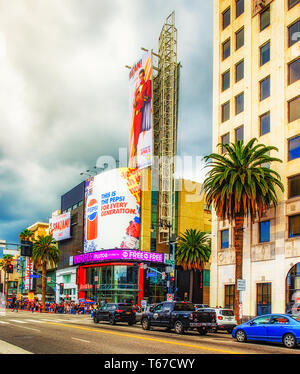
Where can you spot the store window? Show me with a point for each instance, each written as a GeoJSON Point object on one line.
{"type": "Point", "coordinates": [264, 53]}
{"type": "Point", "coordinates": [264, 231]}
{"type": "Point", "coordinates": [226, 80]}
{"type": "Point", "coordinates": [294, 186]}
{"type": "Point", "coordinates": [263, 298]}
{"type": "Point", "coordinates": [239, 133]}
{"type": "Point", "coordinates": [294, 148]}
{"type": "Point", "coordinates": [294, 109]}
{"type": "Point", "coordinates": [224, 239]}
{"type": "Point", "coordinates": [239, 103]}
{"type": "Point", "coordinates": [225, 111]}
{"type": "Point", "coordinates": [264, 123]}
{"type": "Point", "coordinates": [293, 290]}
{"type": "Point", "coordinates": [294, 32]}
{"type": "Point", "coordinates": [294, 71]}
{"type": "Point", "coordinates": [265, 88]}
{"type": "Point", "coordinates": [239, 39]}
{"type": "Point", "coordinates": [229, 296]}
{"type": "Point", "coordinates": [239, 8]}
{"type": "Point", "coordinates": [239, 71]}
{"type": "Point", "coordinates": [226, 18]}
{"type": "Point", "coordinates": [294, 226]}
{"type": "Point", "coordinates": [265, 19]}
{"type": "Point", "coordinates": [226, 49]}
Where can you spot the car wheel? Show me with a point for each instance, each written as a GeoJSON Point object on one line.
{"type": "Point", "coordinates": [145, 324]}
{"type": "Point", "coordinates": [112, 321]}
{"type": "Point", "coordinates": [289, 340]}
{"type": "Point", "coordinates": [241, 336]}
{"type": "Point", "coordinates": [202, 331]}
{"type": "Point", "coordinates": [178, 327]}
{"type": "Point", "coordinates": [96, 319]}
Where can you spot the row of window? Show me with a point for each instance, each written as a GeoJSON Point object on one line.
{"type": "Point", "coordinates": [264, 230]}
{"type": "Point", "coordinates": [80, 203]}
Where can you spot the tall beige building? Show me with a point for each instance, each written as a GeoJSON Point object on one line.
{"type": "Point", "coordinates": [256, 94]}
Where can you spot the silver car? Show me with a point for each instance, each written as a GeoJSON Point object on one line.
{"type": "Point", "coordinates": [225, 319]}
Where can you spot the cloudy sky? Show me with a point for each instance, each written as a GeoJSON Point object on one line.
{"type": "Point", "coordinates": [64, 92]}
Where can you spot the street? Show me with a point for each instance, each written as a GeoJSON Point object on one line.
{"type": "Point", "coordinates": [36, 333]}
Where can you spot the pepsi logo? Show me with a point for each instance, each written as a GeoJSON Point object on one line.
{"type": "Point", "coordinates": [92, 210]}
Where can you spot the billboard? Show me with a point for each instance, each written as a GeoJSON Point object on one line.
{"type": "Point", "coordinates": [60, 226]}
{"type": "Point", "coordinates": [140, 99]}
{"type": "Point", "coordinates": [112, 210]}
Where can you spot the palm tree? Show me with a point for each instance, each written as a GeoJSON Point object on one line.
{"type": "Point", "coordinates": [241, 184]}
{"type": "Point", "coordinates": [192, 252]}
{"type": "Point", "coordinates": [44, 252]}
{"type": "Point", "coordinates": [26, 235]}
{"type": "Point", "coordinates": [4, 262]}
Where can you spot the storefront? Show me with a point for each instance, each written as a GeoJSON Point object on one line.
{"type": "Point", "coordinates": [120, 276]}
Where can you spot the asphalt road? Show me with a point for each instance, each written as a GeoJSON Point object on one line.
{"type": "Point", "coordinates": [26, 332]}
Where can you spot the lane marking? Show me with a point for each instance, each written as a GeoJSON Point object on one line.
{"type": "Point", "coordinates": [27, 328]}
{"type": "Point", "coordinates": [4, 322]}
{"type": "Point", "coordinates": [17, 321]}
{"type": "Point", "coordinates": [34, 320]}
{"type": "Point", "coordinates": [148, 339]}
{"type": "Point", "coordinates": [82, 340]}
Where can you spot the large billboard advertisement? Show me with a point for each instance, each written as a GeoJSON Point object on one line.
{"type": "Point", "coordinates": [112, 210]}
{"type": "Point", "coordinates": [140, 139]}
{"type": "Point", "coordinates": [60, 226]}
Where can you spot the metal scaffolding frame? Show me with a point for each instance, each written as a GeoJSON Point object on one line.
{"type": "Point", "coordinates": [165, 111]}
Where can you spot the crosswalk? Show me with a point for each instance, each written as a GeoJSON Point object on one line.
{"type": "Point", "coordinates": [38, 321]}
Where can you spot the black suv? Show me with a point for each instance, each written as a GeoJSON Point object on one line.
{"type": "Point", "coordinates": [117, 312]}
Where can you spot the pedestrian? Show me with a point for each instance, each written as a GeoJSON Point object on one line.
{"type": "Point", "coordinates": [32, 306]}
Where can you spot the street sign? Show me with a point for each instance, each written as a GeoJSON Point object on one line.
{"type": "Point", "coordinates": [150, 275]}
{"type": "Point", "coordinates": [170, 262]}
{"type": "Point", "coordinates": [169, 269]}
{"type": "Point", "coordinates": [241, 284]}
{"type": "Point", "coordinates": [163, 275]}
{"type": "Point", "coordinates": [170, 297]}
{"type": "Point", "coordinates": [34, 276]}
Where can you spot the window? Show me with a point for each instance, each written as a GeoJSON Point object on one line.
{"type": "Point", "coordinates": [264, 88]}
{"type": "Point", "coordinates": [229, 296]}
{"type": "Point", "coordinates": [239, 71]}
{"type": "Point", "coordinates": [264, 53]}
{"type": "Point", "coordinates": [239, 38]}
{"type": "Point", "coordinates": [226, 18]}
{"type": "Point", "coordinates": [262, 320]}
{"type": "Point", "coordinates": [264, 231]}
{"type": "Point", "coordinates": [279, 320]}
{"type": "Point", "coordinates": [265, 19]}
{"type": "Point", "coordinates": [239, 8]}
{"type": "Point", "coordinates": [224, 239]}
{"type": "Point", "coordinates": [226, 111]}
{"type": "Point", "coordinates": [226, 80]}
{"type": "Point", "coordinates": [294, 148]}
{"type": "Point", "coordinates": [294, 186]}
{"type": "Point", "coordinates": [264, 123]}
{"type": "Point", "coordinates": [263, 300]}
{"type": "Point", "coordinates": [225, 140]}
{"type": "Point", "coordinates": [292, 3]}
{"type": "Point", "coordinates": [294, 226]}
{"type": "Point", "coordinates": [239, 103]}
{"type": "Point", "coordinates": [239, 133]}
{"type": "Point", "coordinates": [294, 71]}
{"type": "Point", "coordinates": [226, 49]}
{"type": "Point", "coordinates": [294, 109]}
{"type": "Point", "coordinates": [294, 33]}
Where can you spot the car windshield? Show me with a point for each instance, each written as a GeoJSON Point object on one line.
{"type": "Point", "coordinates": [205, 310]}
{"type": "Point", "coordinates": [297, 318]}
{"type": "Point", "coordinates": [227, 313]}
{"type": "Point", "coordinates": [184, 307]}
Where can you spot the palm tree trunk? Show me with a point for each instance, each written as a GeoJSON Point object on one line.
{"type": "Point", "coordinates": [238, 245]}
{"type": "Point", "coordinates": [191, 285]}
{"type": "Point", "coordinates": [44, 272]}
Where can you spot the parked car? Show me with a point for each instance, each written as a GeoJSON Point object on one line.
{"type": "Point", "coordinates": [116, 312]}
{"type": "Point", "coordinates": [226, 320]}
{"type": "Point", "coordinates": [140, 311]}
{"type": "Point", "coordinates": [180, 316]}
{"type": "Point", "coordinates": [198, 306]}
{"type": "Point", "coordinates": [276, 328]}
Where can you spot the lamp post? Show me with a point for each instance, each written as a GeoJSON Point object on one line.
{"type": "Point", "coordinates": [169, 226]}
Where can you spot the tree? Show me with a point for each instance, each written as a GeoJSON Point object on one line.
{"type": "Point", "coordinates": [241, 184]}
{"type": "Point", "coordinates": [26, 235]}
{"type": "Point", "coordinates": [4, 262]}
{"type": "Point", "coordinates": [192, 252]}
{"type": "Point", "coordinates": [44, 252]}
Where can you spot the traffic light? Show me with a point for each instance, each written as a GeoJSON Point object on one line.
{"type": "Point", "coordinates": [26, 248]}
{"type": "Point", "coordinates": [61, 288]}
{"type": "Point", "coordinates": [10, 268]}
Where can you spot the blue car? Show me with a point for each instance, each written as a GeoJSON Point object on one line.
{"type": "Point", "coordinates": [276, 328]}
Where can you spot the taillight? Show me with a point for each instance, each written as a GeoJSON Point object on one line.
{"type": "Point", "coordinates": [220, 317]}
{"type": "Point", "coordinates": [134, 311]}
{"type": "Point", "coordinates": [119, 311]}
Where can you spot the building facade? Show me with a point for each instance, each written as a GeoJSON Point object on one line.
{"type": "Point", "coordinates": [256, 94]}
